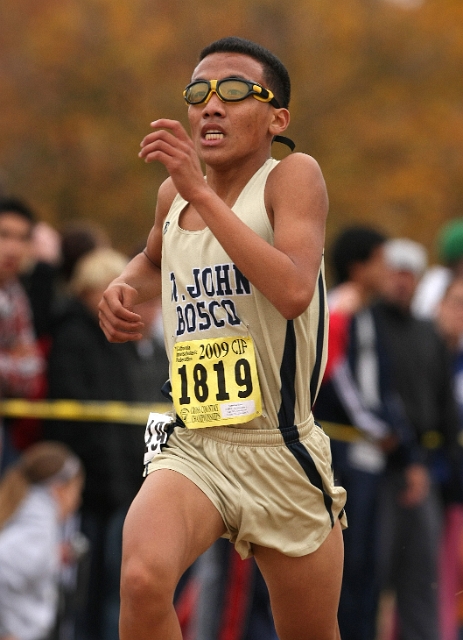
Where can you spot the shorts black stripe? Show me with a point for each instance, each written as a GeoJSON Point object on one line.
{"type": "Point", "coordinates": [305, 460]}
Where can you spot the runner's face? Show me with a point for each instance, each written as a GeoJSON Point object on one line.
{"type": "Point", "coordinates": [223, 131]}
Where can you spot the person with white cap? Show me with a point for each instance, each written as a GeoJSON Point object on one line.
{"type": "Point", "coordinates": [407, 260]}
{"type": "Point", "coordinates": [410, 498]}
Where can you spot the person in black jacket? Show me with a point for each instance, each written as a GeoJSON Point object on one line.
{"type": "Point", "coordinates": [395, 373]}
{"type": "Point", "coordinates": [358, 264]}
{"type": "Point", "coordinates": [411, 497]}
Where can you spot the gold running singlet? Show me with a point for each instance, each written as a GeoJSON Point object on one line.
{"type": "Point", "coordinates": [243, 383]}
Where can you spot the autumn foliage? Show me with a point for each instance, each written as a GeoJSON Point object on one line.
{"type": "Point", "coordinates": [377, 99]}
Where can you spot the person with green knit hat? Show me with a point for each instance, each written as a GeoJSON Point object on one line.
{"type": "Point", "coordinates": [437, 278]}
{"type": "Point", "coordinates": [450, 243]}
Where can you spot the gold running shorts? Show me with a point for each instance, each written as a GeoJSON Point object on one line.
{"type": "Point", "coordinates": [273, 488]}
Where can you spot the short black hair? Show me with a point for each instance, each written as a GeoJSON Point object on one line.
{"type": "Point", "coordinates": [354, 244]}
{"type": "Point", "coordinates": [14, 205]}
{"type": "Point", "coordinates": [275, 73]}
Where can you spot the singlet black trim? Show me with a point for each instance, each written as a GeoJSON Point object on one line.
{"type": "Point", "coordinates": [166, 391]}
{"type": "Point", "coordinates": [286, 413]}
{"type": "Point", "coordinates": [288, 378]}
{"type": "Point", "coordinates": [315, 377]}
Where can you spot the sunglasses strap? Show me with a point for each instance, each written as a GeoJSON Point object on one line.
{"type": "Point", "coordinates": [284, 140]}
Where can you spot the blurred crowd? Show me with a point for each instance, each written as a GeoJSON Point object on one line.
{"type": "Point", "coordinates": [393, 380]}
{"type": "Point", "coordinates": [394, 373]}
{"type": "Point", "coordinates": [51, 347]}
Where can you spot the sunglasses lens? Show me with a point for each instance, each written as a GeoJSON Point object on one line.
{"type": "Point", "coordinates": [229, 90]}
{"type": "Point", "coordinates": [233, 90]}
{"type": "Point", "coordinates": [197, 92]}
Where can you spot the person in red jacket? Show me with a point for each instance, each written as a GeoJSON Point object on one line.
{"type": "Point", "coordinates": [21, 363]}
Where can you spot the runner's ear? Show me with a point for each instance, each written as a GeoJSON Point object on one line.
{"type": "Point", "coordinates": [279, 122]}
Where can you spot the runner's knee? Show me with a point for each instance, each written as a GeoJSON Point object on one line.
{"type": "Point", "coordinates": [153, 581]}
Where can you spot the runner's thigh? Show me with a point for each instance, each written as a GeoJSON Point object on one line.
{"type": "Point", "coordinates": [304, 591]}
{"type": "Point", "coordinates": [169, 524]}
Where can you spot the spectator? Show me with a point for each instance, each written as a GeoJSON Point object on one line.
{"type": "Point", "coordinates": [21, 363]}
{"type": "Point", "coordinates": [400, 368]}
{"type": "Point", "coordinates": [150, 366]}
{"type": "Point", "coordinates": [50, 265]}
{"type": "Point", "coordinates": [358, 264]}
{"type": "Point", "coordinates": [449, 319]}
{"type": "Point", "coordinates": [415, 363]}
{"type": "Point", "coordinates": [83, 365]}
{"type": "Point", "coordinates": [357, 261]}
{"type": "Point", "coordinates": [37, 493]}
{"type": "Point", "coordinates": [410, 500]}
{"type": "Point", "coordinates": [78, 238]}
{"type": "Point", "coordinates": [434, 282]}
{"type": "Point", "coordinates": [39, 277]}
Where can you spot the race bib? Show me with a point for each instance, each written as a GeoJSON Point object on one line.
{"type": "Point", "coordinates": [158, 429]}
{"type": "Point", "coordinates": [214, 382]}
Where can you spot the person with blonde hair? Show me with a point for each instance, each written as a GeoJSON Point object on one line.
{"type": "Point", "coordinates": [37, 494]}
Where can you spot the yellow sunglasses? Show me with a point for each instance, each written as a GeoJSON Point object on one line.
{"type": "Point", "coordinates": [228, 90]}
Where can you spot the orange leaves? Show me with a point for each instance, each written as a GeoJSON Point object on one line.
{"type": "Point", "coordinates": [376, 99]}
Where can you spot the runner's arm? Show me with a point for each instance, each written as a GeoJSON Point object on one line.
{"type": "Point", "coordinates": [297, 203]}
{"type": "Point", "coordinates": [285, 273]}
{"type": "Point", "coordinates": [140, 281]}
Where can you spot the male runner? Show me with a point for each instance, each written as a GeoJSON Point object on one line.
{"type": "Point", "coordinates": [238, 256]}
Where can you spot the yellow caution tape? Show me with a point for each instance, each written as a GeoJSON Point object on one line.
{"type": "Point", "coordinates": [85, 411]}
{"type": "Point", "coordinates": [342, 432]}
{"type": "Point", "coordinates": [119, 412]}
{"type": "Point", "coordinates": [432, 440]}
{"type": "Point", "coordinates": [137, 413]}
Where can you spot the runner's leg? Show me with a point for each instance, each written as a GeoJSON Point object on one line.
{"type": "Point", "coordinates": [304, 591]}
{"type": "Point", "coordinates": [170, 523]}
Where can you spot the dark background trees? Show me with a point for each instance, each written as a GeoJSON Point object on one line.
{"type": "Point", "coordinates": [377, 99]}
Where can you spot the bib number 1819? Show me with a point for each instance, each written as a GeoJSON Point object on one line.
{"type": "Point", "coordinates": [242, 376]}
{"type": "Point", "coordinates": [215, 381]}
